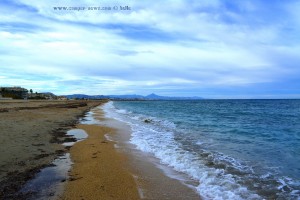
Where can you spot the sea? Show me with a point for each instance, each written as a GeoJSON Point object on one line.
{"type": "Point", "coordinates": [233, 149]}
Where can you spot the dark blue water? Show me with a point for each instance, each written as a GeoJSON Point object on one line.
{"type": "Point", "coordinates": [236, 149]}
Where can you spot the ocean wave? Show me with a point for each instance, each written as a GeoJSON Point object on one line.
{"type": "Point", "coordinates": [220, 176]}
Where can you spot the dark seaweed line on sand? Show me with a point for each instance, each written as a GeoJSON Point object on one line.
{"type": "Point", "coordinates": [14, 181]}
{"type": "Point", "coordinates": [69, 105]}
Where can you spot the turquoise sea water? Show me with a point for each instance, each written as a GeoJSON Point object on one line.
{"type": "Point", "coordinates": [236, 149]}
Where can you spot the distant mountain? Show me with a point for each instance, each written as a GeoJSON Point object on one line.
{"type": "Point", "coordinates": [133, 96]}
{"type": "Point", "coordinates": [78, 96]}
{"type": "Point", "coordinates": [153, 96]}
{"type": "Point", "coordinates": [157, 97]}
{"type": "Point", "coordinates": [130, 97]}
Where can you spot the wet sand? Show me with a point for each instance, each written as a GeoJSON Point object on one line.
{"type": "Point", "coordinates": [31, 133]}
{"type": "Point", "coordinates": [99, 172]}
{"type": "Point", "coordinates": [113, 169]}
{"type": "Point", "coordinates": [150, 175]}
{"type": "Point", "coordinates": [30, 139]}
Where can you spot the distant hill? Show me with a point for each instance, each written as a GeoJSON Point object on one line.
{"type": "Point", "coordinates": [157, 97]}
{"type": "Point", "coordinates": [133, 96]}
{"type": "Point", "coordinates": [130, 97]}
{"type": "Point", "coordinates": [84, 96]}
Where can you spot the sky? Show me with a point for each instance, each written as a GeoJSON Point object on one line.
{"type": "Point", "coordinates": [205, 48]}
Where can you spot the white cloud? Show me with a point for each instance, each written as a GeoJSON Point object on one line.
{"type": "Point", "coordinates": [190, 43]}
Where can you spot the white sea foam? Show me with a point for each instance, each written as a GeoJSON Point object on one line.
{"type": "Point", "coordinates": [200, 143]}
{"type": "Point", "coordinates": [122, 111]}
{"type": "Point", "coordinates": [157, 137]}
{"type": "Point", "coordinates": [108, 137]}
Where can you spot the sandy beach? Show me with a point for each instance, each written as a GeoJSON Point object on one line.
{"type": "Point", "coordinates": [107, 167]}
{"type": "Point", "coordinates": [31, 133]}
{"type": "Point", "coordinates": [104, 165]}
{"type": "Point", "coordinates": [99, 171]}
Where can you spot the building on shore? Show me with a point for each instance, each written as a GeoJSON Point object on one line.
{"type": "Point", "coordinates": [14, 92]}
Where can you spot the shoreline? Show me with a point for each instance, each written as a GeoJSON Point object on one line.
{"type": "Point", "coordinates": [31, 136]}
{"type": "Point", "coordinates": [98, 176]}
{"type": "Point", "coordinates": [105, 165]}
{"type": "Point", "coordinates": [99, 170]}
{"type": "Point", "coordinates": [153, 179]}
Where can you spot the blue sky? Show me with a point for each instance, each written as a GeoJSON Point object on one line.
{"type": "Point", "coordinates": [207, 48]}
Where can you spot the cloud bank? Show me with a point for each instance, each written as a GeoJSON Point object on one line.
{"type": "Point", "coordinates": [214, 49]}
